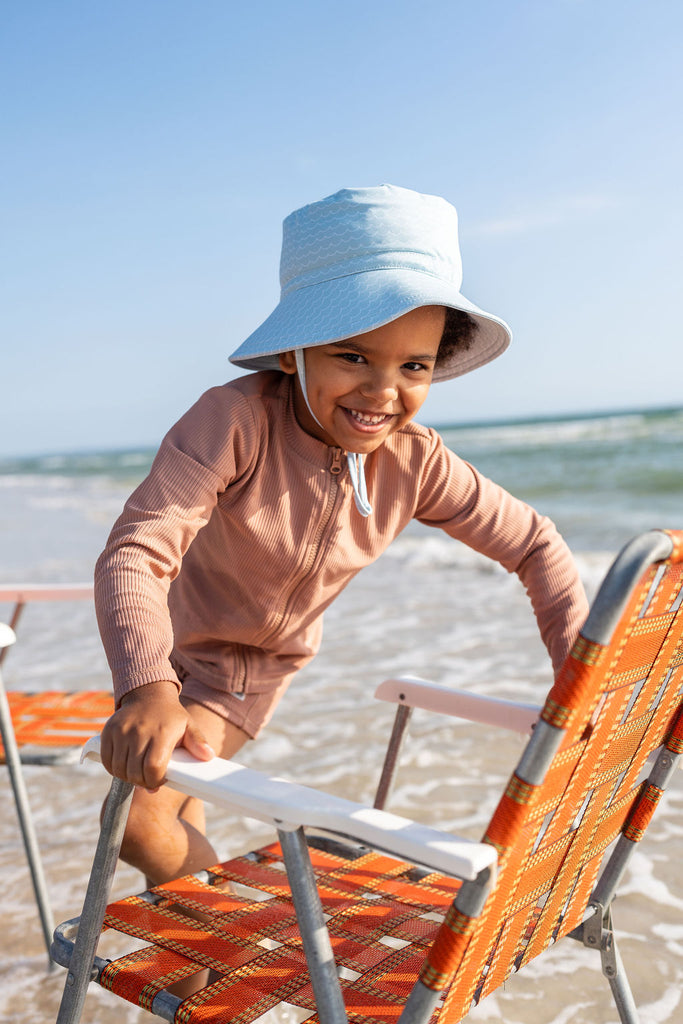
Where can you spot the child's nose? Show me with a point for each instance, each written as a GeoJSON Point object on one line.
{"type": "Point", "coordinates": [380, 384]}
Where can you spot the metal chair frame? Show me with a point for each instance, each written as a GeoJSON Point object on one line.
{"type": "Point", "coordinates": [15, 756]}
{"type": "Point", "coordinates": [293, 808]}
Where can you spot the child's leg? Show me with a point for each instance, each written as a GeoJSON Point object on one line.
{"type": "Point", "coordinates": [164, 835]}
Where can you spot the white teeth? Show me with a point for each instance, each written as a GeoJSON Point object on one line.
{"type": "Point", "coordinates": [370, 421]}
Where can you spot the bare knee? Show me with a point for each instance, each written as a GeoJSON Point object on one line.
{"type": "Point", "coordinates": [151, 827]}
{"type": "Point", "coordinates": [138, 830]}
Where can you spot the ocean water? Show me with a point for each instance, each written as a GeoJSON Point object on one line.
{"type": "Point", "coordinates": [429, 607]}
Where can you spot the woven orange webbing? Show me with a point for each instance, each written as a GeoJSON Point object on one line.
{"type": "Point", "coordinates": [614, 707]}
{"type": "Point", "coordinates": [610, 708]}
{"type": "Point", "coordinates": [642, 813]}
{"type": "Point", "coordinates": [579, 681]}
{"type": "Point", "coordinates": [674, 740]}
{"type": "Point", "coordinates": [383, 939]}
{"type": "Point", "coordinates": [58, 719]}
{"type": "Point", "coordinates": [677, 539]}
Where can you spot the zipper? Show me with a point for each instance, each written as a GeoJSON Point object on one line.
{"type": "Point", "coordinates": [335, 469]}
{"type": "Point", "coordinates": [336, 466]}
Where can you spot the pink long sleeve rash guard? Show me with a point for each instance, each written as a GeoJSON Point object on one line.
{"type": "Point", "coordinates": [245, 530]}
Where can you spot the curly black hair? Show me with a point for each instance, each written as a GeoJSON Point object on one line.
{"type": "Point", "coordinates": [458, 333]}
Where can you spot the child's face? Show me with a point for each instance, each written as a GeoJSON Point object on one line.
{"type": "Point", "coordinates": [365, 388]}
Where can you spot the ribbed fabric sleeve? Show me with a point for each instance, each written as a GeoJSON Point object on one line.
{"type": "Point", "coordinates": [493, 522]}
{"type": "Point", "coordinates": [245, 530]}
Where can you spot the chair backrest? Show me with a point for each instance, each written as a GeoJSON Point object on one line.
{"type": "Point", "coordinates": [616, 700]}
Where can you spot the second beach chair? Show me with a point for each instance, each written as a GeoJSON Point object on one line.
{"type": "Point", "coordinates": [42, 728]}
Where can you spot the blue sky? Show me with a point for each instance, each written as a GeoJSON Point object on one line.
{"type": "Point", "coordinates": [152, 148]}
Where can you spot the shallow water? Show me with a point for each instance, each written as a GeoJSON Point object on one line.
{"type": "Point", "coordinates": [429, 607]}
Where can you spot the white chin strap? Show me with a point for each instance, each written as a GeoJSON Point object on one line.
{"type": "Point", "coordinates": [354, 459]}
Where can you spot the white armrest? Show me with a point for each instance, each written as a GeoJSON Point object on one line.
{"type": "Point", "coordinates": [7, 636]}
{"type": "Point", "coordinates": [289, 805]}
{"type": "Point", "coordinates": [419, 693]}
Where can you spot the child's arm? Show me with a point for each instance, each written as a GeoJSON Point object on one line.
{"type": "Point", "coordinates": [195, 463]}
{"type": "Point", "coordinates": [486, 517]}
{"type": "Point", "coordinates": [143, 732]}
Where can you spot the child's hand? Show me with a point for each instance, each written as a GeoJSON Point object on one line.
{"type": "Point", "coordinates": [141, 735]}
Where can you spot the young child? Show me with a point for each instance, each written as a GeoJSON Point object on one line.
{"type": "Point", "coordinates": [275, 489]}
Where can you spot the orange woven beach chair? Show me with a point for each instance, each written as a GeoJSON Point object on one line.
{"type": "Point", "coordinates": [45, 728]}
{"type": "Point", "coordinates": [389, 920]}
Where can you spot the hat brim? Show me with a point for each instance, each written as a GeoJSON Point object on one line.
{"type": "Point", "coordinates": [346, 306]}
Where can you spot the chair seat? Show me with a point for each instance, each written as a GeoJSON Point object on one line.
{"type": "Point", "coordinates": [383, 915]}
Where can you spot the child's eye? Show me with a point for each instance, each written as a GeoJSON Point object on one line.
{"type": "Point", "coordinates": [352, 357]}
{"type": "Point", "coordinates": [414, 367]}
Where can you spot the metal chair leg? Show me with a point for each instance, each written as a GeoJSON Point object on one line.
{"type": "Point", "coordinates": [597, 933]}
{"type": "Point", "coordinates": [28, 832]}
{"type": "Point", "coordinates": [317, 947]}
{"type": "Point", "coordinates": [621, 990]}
{"type": "Point", "coordinates": [401, 719]}
{"type": "Point", "coordinates": [95, 904]}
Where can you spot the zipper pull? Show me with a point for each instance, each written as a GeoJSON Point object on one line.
{"type": "Point", "coordinates": [336, 466]}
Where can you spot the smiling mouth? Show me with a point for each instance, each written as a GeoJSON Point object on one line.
{"type": "Point", "coordinates": [365, 419]}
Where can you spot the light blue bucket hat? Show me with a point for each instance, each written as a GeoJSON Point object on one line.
{"type": "Point", "coordinates": [359, 259]}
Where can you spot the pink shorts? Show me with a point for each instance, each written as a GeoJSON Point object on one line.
{"type": "Point", "coordinates": [250, 712]}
